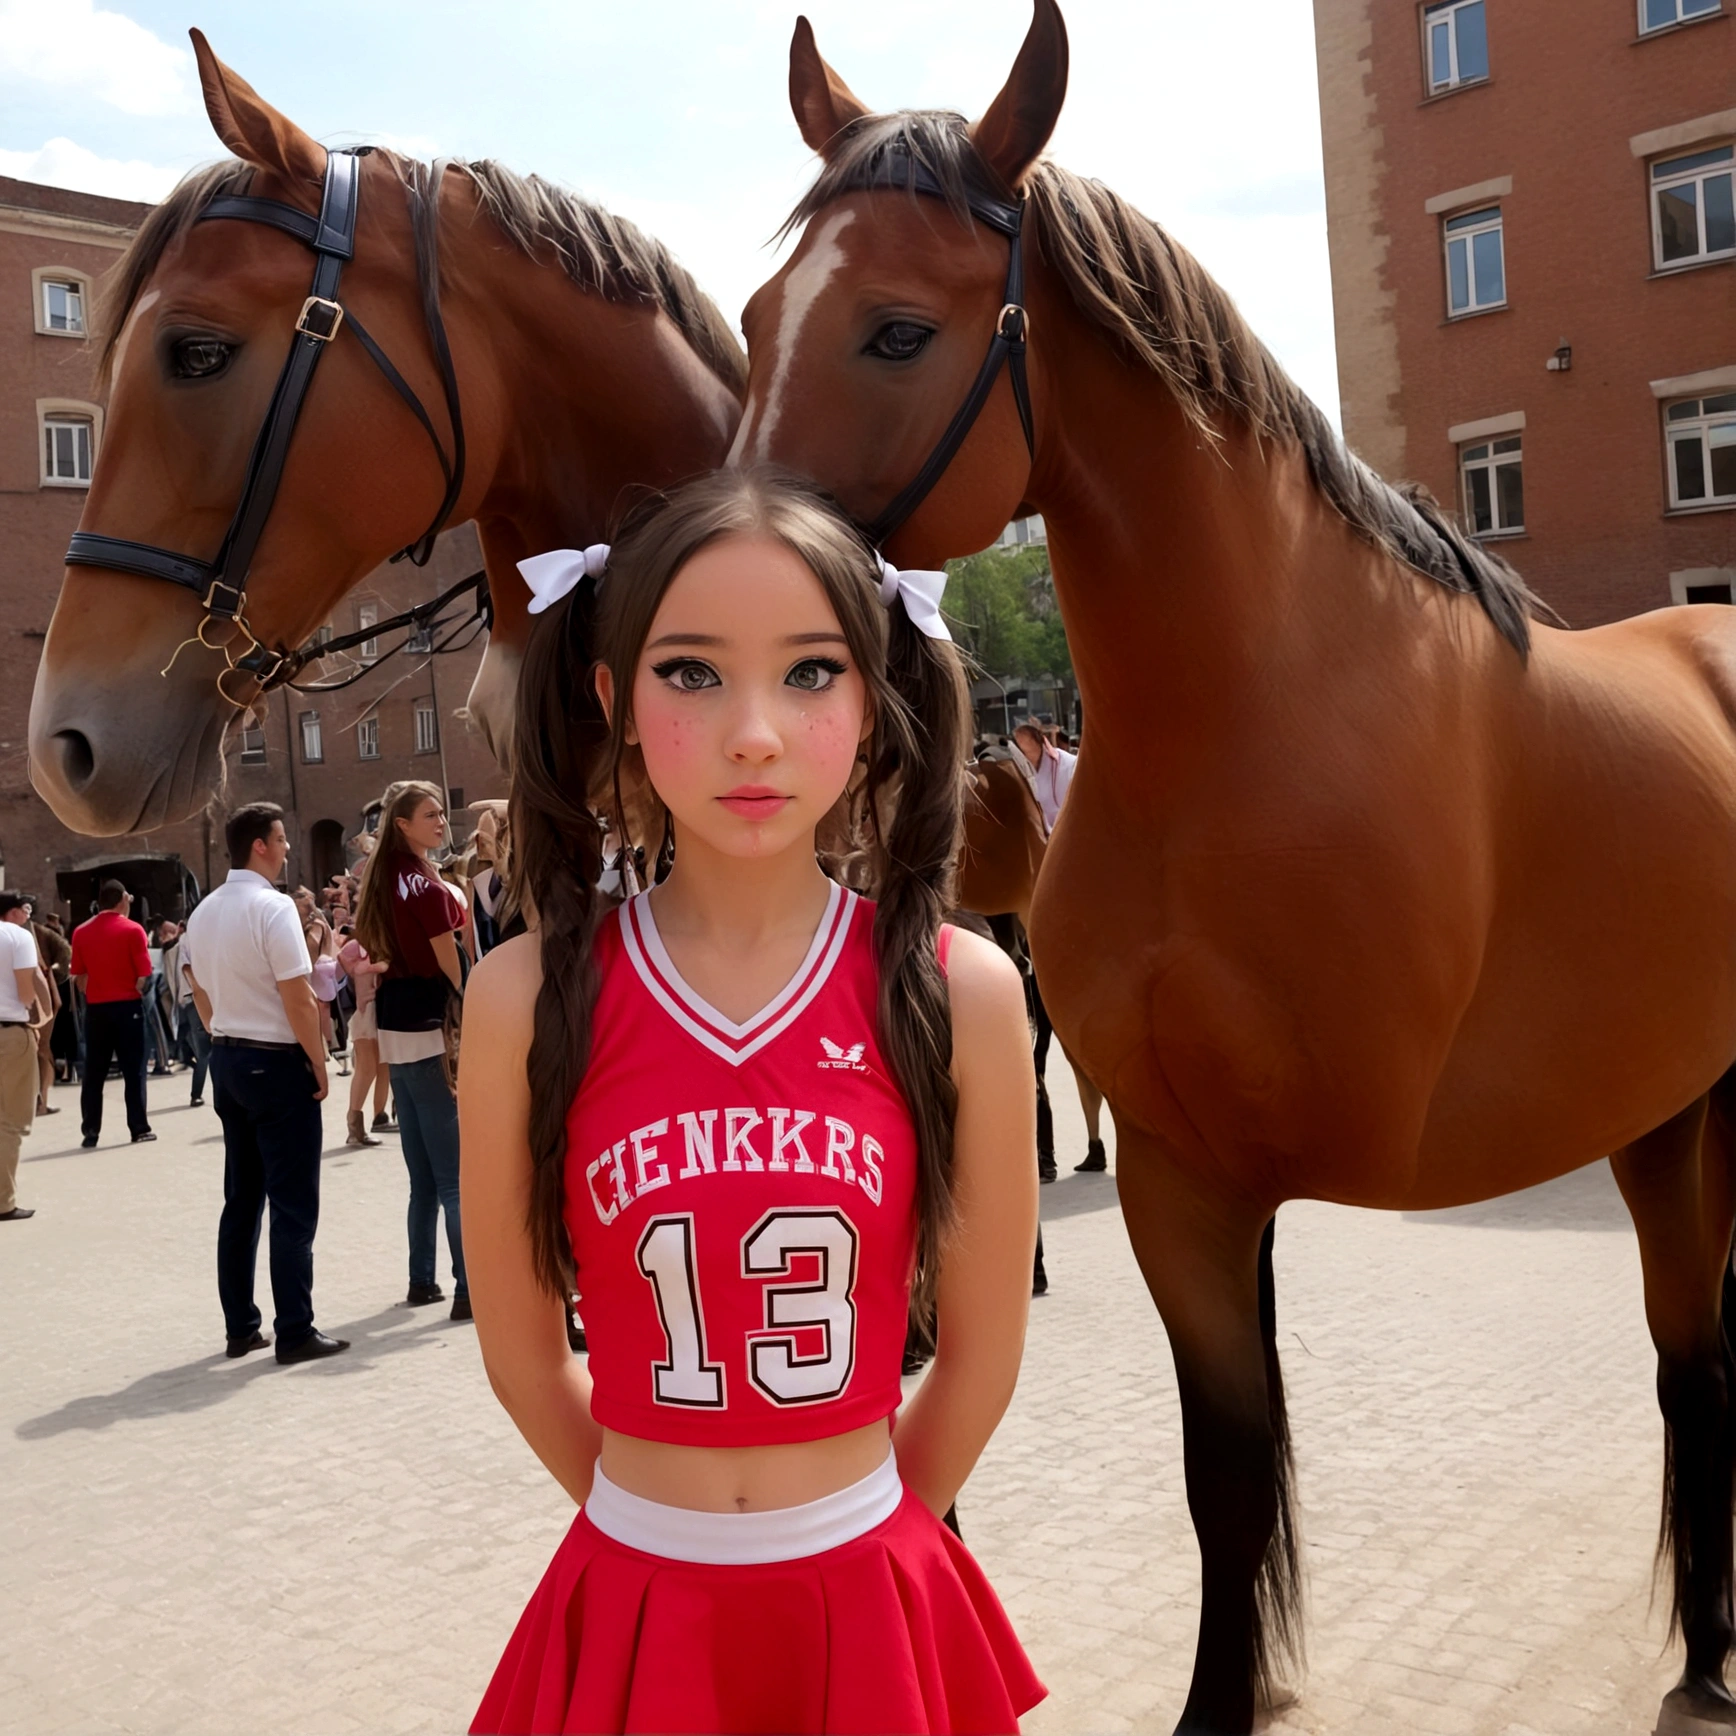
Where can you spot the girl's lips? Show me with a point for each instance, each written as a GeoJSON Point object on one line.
{"type": "Point", "coordinates": [754, 804]}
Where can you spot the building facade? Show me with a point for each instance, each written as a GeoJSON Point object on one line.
{"type": "Point", "coordinates": [1533, 249]}
{"type": "Point", "coordinates": [326, 758]}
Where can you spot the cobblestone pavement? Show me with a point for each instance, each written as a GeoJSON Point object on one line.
{"type": "Point", "coordinates": [200, 1545]}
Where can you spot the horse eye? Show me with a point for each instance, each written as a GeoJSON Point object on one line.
{"type": "Point", "coordinates": [199, 358]}
{"type": "Point", "coordinates": [900, 340]}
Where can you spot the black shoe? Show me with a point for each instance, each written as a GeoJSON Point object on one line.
{"type": "Point", "coordinates": [142, 1138]}
{"type": "Point", "coordinates": [1039, 1286]}
{"type": "Point", "coordinates": [312, 1348]}
{"type": "Point", "coordinates": [461, 1308]}
{"type": "Point", "coordinates": [383, 1124]}
{"type": "Point", "coordinates": [1096, 1159]}
{"type": "Point", "coordinates": [241, 1346]}
{"type": "Point", "coordinates": [1046, 1170]}
{"type": "Point", "coordinates": [195, 1102]}
{"type": "Point", "coordinates": [420, 1295]}
{"type": "Point", "coordinates": [17, 1212]}
{"type": "Point", "coordinates": [89, 1142]}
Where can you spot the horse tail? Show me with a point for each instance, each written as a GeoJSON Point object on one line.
{"type": "Point", "coordinates": [1278, 1596]}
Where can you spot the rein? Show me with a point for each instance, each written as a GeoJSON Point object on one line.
{"type": "Point", "coordinates": [221, 583]}
{"type": "Point", "coordinates": [898, 169]}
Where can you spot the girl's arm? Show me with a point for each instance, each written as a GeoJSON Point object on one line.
{"type": "Point", "coordinates": [542, 1385]}
{"type": "Point", "coordinates": [446, 956]}
{"type": "Point", "coordinates": [984, 1291]}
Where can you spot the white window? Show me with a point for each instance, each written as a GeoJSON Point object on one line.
{"type": "Point", "coordinates": [322, 635]}
{"type": "Point", "coordinates": [63, 305]}
{"type": "Point", "coordinates": [1693, 213]}
{"type": "Point", "coordinates": [252, 743]}
{"type": "Point", "coordinates": [420, 639]}
{"type": "Point", "coordinates": [427, 730]}
{"type": "Point", "coordinates": [1455, 44]}
{"type": "Point", "coordinates": [1476, 266]}
{"type": "Point", "coordinates": [1701, 436]}
{"type": "Point", "coordinates": [66, 442]}
{"type": "Point", "coordinates": [1661, 14]}
{"type": "Point", "coordinates": [1494, 487]}
{"type": "Point", "coordinates": [368, 615]}
{"type": "Point", "coordinates": [312, 741]}
{"type": "Point", "coordinates": [368, 738]}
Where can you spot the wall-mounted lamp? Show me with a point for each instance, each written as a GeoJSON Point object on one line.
{"type": "Point", "coordinates": [1562, 361]}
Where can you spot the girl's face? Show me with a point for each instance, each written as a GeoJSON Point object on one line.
{"type": "Point", "coordinates": [746, 702]}
{"type": "Point", "coordinates": [425, 829]}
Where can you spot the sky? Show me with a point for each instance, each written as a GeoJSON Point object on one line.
{"type": "Point", "coordinates": [676, 112]}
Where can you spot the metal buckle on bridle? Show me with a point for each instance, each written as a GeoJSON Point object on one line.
{"type": "Point", "coordinates": [228, 606]}
{"type": "Point", "coordinates": [332, 312]}
{"type": "Point", "coordinates": [1014, 324]}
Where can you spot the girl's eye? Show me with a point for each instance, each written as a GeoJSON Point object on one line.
{"type": "Point", "coordinates": [899, 340]}
{"type": "Point", "coordinates": [815, 674]}
{"type": "Point", "coordinates": [686, 674]}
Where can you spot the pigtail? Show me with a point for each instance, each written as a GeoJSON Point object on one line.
{"type": "Point", "coordinates": [924, 762]}
{"type": "Point", "coordinates": [555, 866]}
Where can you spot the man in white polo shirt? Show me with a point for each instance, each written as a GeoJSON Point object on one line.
{"type": "Point", "coordinates": [21, 991]}
{"type": "Point", "coordinates": [248, 962]}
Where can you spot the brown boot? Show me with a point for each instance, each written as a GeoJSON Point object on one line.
{"type": "Point", "coordinates": [358, 1131]}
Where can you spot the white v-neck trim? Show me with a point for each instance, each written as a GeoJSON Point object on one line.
{"type": "Point", "coordinates": [734, 1042]}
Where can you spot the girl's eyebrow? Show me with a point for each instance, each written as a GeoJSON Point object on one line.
{"type": "Point", "coordinates": [716, 639]}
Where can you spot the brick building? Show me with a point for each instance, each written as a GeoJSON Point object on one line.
{"type": "Point", "coordinates": [326, 758]}
{"type": "Point", "coordinates": [1534, 278]}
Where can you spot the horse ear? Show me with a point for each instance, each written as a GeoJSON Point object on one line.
{"type": "Point", "coordinates": [250, 126]}
{"type": "Point", "coordinates": [1011, 135]}
{"type": "Point", "coordinates": [823, 102]}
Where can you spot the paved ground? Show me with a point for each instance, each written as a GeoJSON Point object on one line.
{"type": "Point", "coordinates": [198, 1545]}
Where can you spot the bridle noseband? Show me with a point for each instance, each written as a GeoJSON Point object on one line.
{"type": "Point", "coordinates": [221, 583]}
{"type": "Point", "coordinates": [898, 169]}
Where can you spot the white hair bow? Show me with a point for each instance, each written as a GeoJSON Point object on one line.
{"type": "Point", "coordinates": [553, 575]}
{"type": "Point", "coordinates": [921, 593]}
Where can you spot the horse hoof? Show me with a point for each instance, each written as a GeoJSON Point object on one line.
{"type": "Point", "coordinates": [1696, 1709]}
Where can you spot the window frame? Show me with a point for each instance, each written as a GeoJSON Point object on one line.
{"type": "Point", "coordinates": [432, 732]}
{"type": "Point", "coordinates": [252, 743]}
{"type": "Point", "coordinates": [1492, 461]}
{"type": "Point", "coordinates": [1698, 177]}
{"type": "Point", "coordinates": [1679, 20]}
{"type": "Point", "coordinates": [368, 615]}
{"type": "Point", "coordinates": [1496, 225]}
{"type": "Point", "coordinates": [41, 277]}
{"type": "Point", "coordinates": [60, 411]}
{"type": "Point", "coordinates": [309, 725]}
{"type": "Point", "coordinates": [368, 737]}
{"type": "Point", "coordinates": [1675, 432]}
{"type": "Point", "coordinates": [1431, 13]}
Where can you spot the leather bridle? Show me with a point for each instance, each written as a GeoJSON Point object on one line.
{"type": "Point", "coordinates": [898, 169]}
{"type": "Point", "coordinates": [221, 583]}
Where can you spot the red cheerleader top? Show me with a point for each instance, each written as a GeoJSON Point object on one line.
{"type": "Point", "coordinates": [741, 1198]}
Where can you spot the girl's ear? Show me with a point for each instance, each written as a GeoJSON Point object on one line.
{"type": "Point", "coordinates": [603, 679]}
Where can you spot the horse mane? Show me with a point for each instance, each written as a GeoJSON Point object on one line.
{"type": "Point", "coordinates": [1160, 306]}
{"type": "Point", "coordinates": [603, 254]}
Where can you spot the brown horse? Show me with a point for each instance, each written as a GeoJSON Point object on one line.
{"type": "Point", "coordinates": [585, 359]}
{"type": "Point", "coordinates": [1396, 898]}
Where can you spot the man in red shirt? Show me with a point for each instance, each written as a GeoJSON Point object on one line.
{"type": "Point", "coordinates": [111, 964]}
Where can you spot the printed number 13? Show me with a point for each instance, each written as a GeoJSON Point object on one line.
{"type": "Point", "coordinates": [686, 1377]}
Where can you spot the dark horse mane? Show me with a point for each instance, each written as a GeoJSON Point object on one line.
{"type": "Point", "coordinates": [603, 254]}
{"type": "Point", "coordinates": [1154, 299]}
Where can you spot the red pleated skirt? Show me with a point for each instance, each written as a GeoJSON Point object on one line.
{"type": "Point", "coordinates": [895, 1631]}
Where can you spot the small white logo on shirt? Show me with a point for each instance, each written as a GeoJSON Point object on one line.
{"type": "Point", "coordinates": [848, 1060]}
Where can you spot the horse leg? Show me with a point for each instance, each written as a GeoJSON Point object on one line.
{"type": "Point", "coordinates": [1677, 1185]}
{"type": "Point", "coordinates": [1207, 1260]}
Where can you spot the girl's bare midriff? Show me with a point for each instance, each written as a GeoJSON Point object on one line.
{"type": "Point", "coordinates": [743, 1479]}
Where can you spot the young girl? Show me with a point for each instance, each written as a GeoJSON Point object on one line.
{"type": "Point", "coordinates": [754, 1110]}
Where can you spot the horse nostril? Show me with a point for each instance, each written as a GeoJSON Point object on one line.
{"type": "Point", "coordinates": [77, 757]}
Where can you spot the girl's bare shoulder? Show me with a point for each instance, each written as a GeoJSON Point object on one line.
{"type": "Point", "coordinates": [503, 987]}
{"type": "Point", "coordinates": [983, 985]}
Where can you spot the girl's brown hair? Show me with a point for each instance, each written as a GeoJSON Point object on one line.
{"type": "Point", "coordinates": [906, 806]}
{"type": "Point", "coordinates": [373, 917]}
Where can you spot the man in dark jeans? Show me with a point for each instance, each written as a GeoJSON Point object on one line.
{"type": "Point", "coordinates": [111, 965]}
{"type": "Point", "coordinates": [247, 961]}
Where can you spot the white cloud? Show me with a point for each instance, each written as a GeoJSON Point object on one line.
{"type": "Point", "coordinates": [61, 163]}
{"type": "Point", "coordinates": [71, 45]}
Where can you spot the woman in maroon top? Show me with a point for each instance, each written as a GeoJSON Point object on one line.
{"type": "Point", "coordinates": [408, 916]}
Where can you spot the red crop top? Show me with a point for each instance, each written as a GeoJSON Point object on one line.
{"type": "Point", "coordinates": [741, 1197]}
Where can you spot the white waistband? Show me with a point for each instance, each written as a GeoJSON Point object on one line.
{"type": "Point", "coordinates": [743, 1539]}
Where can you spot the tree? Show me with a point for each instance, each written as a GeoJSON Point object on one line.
{"type": "Point", "coordinates": [1001, 606]}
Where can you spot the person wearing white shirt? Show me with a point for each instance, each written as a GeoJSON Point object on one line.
{"type": "Point", "coordinates": [23, 1005]}
{"type": "Point", "coordinates": [247, 962]}
{"type": "Point", "coordinates": [1051, 769]}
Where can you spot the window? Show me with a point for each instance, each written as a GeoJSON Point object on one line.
{"type": "Point", "coordinates": [1476, 268]}
{"type": "Point", "coordinates": [63, 305]}
{"type": "Point", "coordinates": [252, 743]}
{"type": "Point", "coordinates": [420, 639]}
{"type": "Point", "coordinates": [66, 442]}
{"type": "Point", "coordinates": [1693, 216]}
{"type": "Point", "coordinates": [427, 730]}
{"type": "Point", "coordinates": [322, 635]}
{"type": "Point", "coordinates": [368, 615]}
{"type": "Point", "coordinates": [1701, 436]}
{"type": "Point", "coordinates": [1456, 44]}
{"type": "Point", "coordinates": [312, 742]}
{"type": "Point", "coordinates": [1661, 14]}
{"type": "Point", "coordinates": [1494, 487]}
{"type": "Point", "coordinates": [368, 738]}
